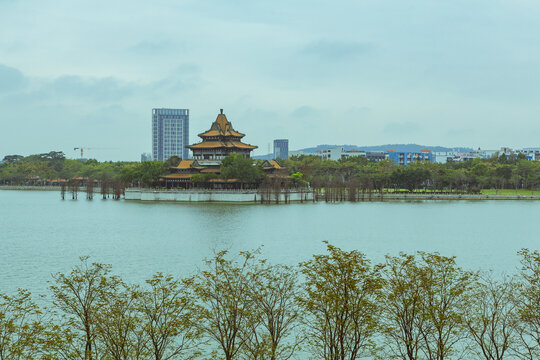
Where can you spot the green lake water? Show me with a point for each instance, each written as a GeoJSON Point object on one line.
{"type": "Point", "coordinates": [41, 234]}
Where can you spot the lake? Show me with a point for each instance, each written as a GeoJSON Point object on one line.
{"type": "Point", "coordinates": [41, 234]}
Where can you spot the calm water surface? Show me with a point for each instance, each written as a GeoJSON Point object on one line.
{"type": "Point", "coordinates": [41, 235]}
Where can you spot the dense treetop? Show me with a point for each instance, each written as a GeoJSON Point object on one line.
{"type": "Point", "coordinates": [498, 172]}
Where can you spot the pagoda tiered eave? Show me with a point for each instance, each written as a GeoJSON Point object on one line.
{"type": "Point", "coordinates": [226, 133]}
{"type": "Point", "coordinates": [219, 144]}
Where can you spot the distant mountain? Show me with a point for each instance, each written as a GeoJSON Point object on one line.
{"type": "Point", "coordinates": [264, 157]}
{"type": "Point", "coordinates": [397, 147]}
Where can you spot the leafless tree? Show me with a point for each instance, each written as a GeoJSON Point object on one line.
{"type": "Point", "coordinates": [74, 188]}
{"type": "Point", "coordinates": [90, 189]}
{"type": "Point", "coordinates": [104, 187]}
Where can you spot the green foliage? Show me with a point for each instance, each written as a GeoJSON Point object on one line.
{"type": "Point", "coordinates": [173, 161]}
{"type": "Point", "coordinates": [412, 307]}
{"type": "Point", "coordinates": [225, 306]}
{"type": "Point", "coordinates": [169, 319]}
{"type": "Point", "coordinates": [146, 173]}
{"type": "Point", "coordinates": [298, 179]}
{"type": "Point", "coordinates": [498, 173]}
{"type": "Point", "coordinates": [468, 176]}
{"type": "Point", "coordinates": [20, 326]}
{"type": "Point", "coordinates": [78, 295]}
{"type": "Point", "coordinates": [203, 178]}
{"type": "Point", "coordinates": [341, 296]}
{"type": "Point", "coordinates": [425, 299]}
{"type": "Point", "coordinates": [492, 317]}
{"type": "Point", "coordinates": [236, 166]}
{"type": "Point", "coordinates": [19, 170]}
{"type": "Point", "coordinates": [529, 305]}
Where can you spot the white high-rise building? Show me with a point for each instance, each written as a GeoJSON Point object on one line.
{"type": "Point", "coordinates": [170, 133]}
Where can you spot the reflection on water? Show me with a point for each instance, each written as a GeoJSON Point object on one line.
{"type": "Point", "coordinates": [41, 235]}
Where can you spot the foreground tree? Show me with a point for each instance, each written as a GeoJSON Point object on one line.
{"type": "Point", "coordinates": [226, 310]}
{"type": "Point", "coordinates": [79, 297]}
{"type": "Point", "coordinates": [424, 307]}
{"type": "Point", "coordinates": [402, 317]}
{"type": "Point", "coordinates": [341, 294]}
{"type": "Point", "coordinates": [169, 319]}
{"type": "Point", "coordinates": [118, 324]}
{"type": "Point", "coordinates": [528, 303]}
{"type": "Point", "coordinates": [274, 333]}
{"type": "Point", "coordinates": [20, 327]}
{"type": "Point", "coordinates": [446, 295]}
{"type": "Point", "coordinates": [492, 318]}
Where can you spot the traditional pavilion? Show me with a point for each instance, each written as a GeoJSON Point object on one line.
{"type": "Point", "coordinates": [220, 141]}
{"type": "Point", "coordinates": [217, 142]}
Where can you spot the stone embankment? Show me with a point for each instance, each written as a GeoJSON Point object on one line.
{"type": "Point", "coordinates": [223, 196]}
{"type": "Point", "coordinates": [251, 196]}
{"type": "Point", "coordinates": [417, 196]}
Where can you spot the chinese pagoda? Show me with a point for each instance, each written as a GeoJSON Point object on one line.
{"type": "Point", "coordinates": [219, 141]}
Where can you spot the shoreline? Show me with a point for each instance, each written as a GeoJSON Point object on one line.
{"type": "Point", "coordinates": [375, 197]}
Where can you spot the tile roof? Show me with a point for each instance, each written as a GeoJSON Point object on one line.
{"type": "Point", "coordinates": [271, 164]}
{"type": "Point", "coordinates": [184, 164]}
{"type": "Point", "coordinates": [221, 126]}
{"type": "Point", "coordinates": [178, 176]}
{"type": "Point", "coordinates": [219, 144]}
{"type": "Point", "coordinates": [275, 164]}
{"type": "Point", "coordinates": [230, 132]}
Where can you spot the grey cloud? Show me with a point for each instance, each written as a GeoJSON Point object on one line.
{"type": "Point", "coordinates": [460, 132]}
{"type": "Point", "coordinates": [401, 127]}
{"type": "Point", "coordinates": [357, 112]}
{"type": "Point", "coordinates": [336, 50]}
{"type": "Point", "coordinates": [81, 90]}
{"type": "Point", "coordinates": [11, 79]}
{"type": "Point", "coordinates": [155, 47]}
{"type": "Point", "coordinates": [185, 77]}
{"type": "Point", "coordinates": [304, 111]}
{"type": "Point", "coordinates": [97, 89]}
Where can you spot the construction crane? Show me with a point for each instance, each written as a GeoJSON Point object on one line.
{"type": "Point", "coordinates": [90, 148]}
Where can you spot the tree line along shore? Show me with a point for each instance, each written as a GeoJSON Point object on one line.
{"type": "Point", "coordinates": [343, 178]}
{"type": "Point", "coordinates": [336, 305]}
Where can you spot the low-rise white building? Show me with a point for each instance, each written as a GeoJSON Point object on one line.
{"type": "Point", "coordinates": [339, 153]}
{"type": "Point", "coordinates": [532, 154]}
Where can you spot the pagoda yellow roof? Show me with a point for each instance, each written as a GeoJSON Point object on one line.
{"type": "Point", "coordinates": [223, 180]}
{"type": "Point", "coordinates": [230, 132]}
{"type": "Point", "coordinates": [178, 176]}
{"type": "Point", "coordinates": [219, 144]}
{"type": "Point", "coordinates": [221, 127]}
{"type": "Point", "coordinates": [271, 164]}
{"type": "Point", "coordinates": [184, 164]}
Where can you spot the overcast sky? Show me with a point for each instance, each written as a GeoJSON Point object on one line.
{"type": "Point", "coordinates": [364, 72]}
